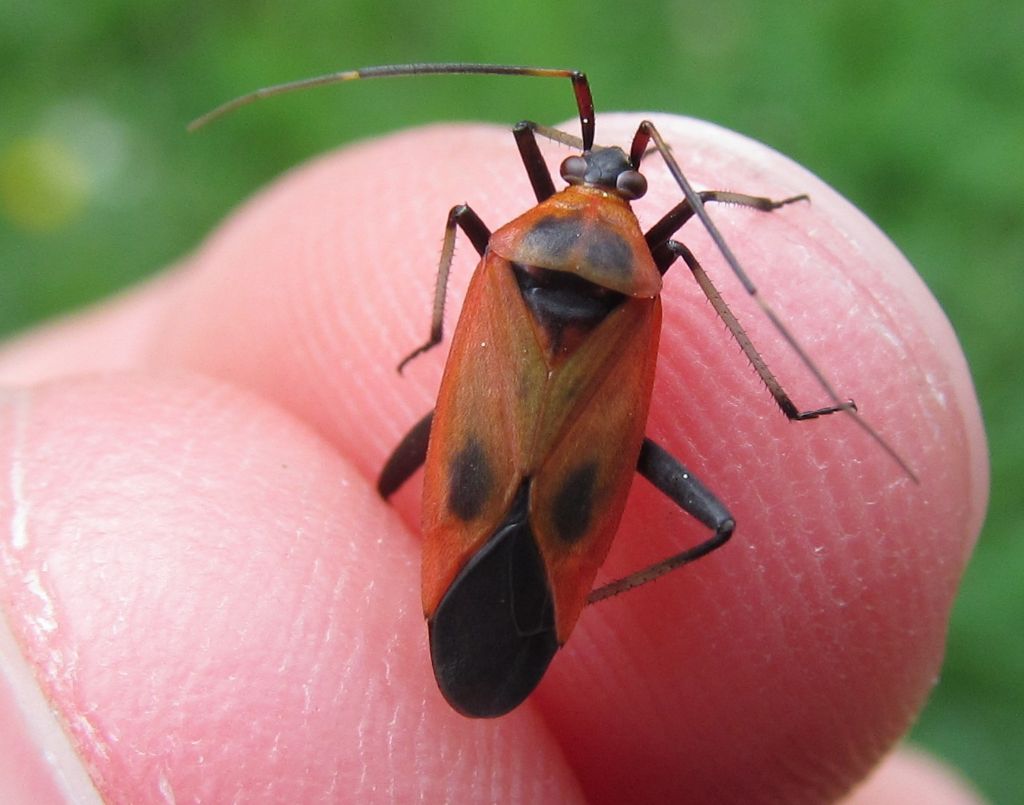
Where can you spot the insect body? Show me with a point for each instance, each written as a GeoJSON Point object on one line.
{"type": "Point", "coordinates": [539, 425]}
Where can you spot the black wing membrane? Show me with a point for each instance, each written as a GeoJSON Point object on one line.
{"type": "Point", "coordinates": [493, 634]}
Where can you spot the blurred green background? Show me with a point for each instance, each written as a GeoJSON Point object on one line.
{"type": "Point", "coordinates": [913, 111]}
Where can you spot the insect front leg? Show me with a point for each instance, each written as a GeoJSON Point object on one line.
{"type": "Point", "coordinates": [406, 458]}
{"type": "Point", "coordinates": [664, 257]}
{"type": "Point", "coordinates": [463, 216]}
{"type": "Point", "coordinates": [671, 478]}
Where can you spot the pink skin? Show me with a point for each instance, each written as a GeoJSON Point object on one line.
{"type": "Point", "coordinates": [198, 576]}
{"type": "Point", "coordinates": [909, 776]}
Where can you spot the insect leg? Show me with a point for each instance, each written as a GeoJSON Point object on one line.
{"type": "Point", "coordinates": [461, 215]}
{"type": "Point", "coordinates": [406, 458]}
{"type": "Point", "coordinates": [664, 257]}
{"type": "Point", "coordinates": [526, 132]}
{"type": "Point", "coordinates": [683, 212]}
{"type": "Point", "coordinates": [670, 477]}
{"type": "Point", "coordinates": [645, 133]}
{"type": "Point", "coordinates": [536, 167]}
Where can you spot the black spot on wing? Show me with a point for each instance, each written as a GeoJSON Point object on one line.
{"type": "Point", "coordinates": [470, 480]}
{"type": "Point", "coordinates": [574, 503]}
{"type": "Point", "coordinates": [493, 634]}
{"type": "Point", "coordinates": [553, 236]}
{"type": "Point", "coordinates": [608, 253]}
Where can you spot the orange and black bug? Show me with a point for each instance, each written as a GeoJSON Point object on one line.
{"type": "Point", "coordinates": [539, 425]}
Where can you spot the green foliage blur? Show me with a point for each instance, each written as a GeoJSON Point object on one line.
{"type": "Point", "coordinates": [913, 111]}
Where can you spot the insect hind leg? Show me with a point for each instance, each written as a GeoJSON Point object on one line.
{"type": "Point", "coordinates": [671, 478]}
{"type": "Point", "coordinates": [406, 458]}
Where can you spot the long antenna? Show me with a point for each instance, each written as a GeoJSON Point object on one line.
{"type": "Point", "coordinates": [581, 87]}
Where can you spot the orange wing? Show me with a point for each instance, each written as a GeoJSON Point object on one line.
{"type": "Point", "coordinates": [596, 414]}
{"type": "Point", "coordinates": [507, 413]}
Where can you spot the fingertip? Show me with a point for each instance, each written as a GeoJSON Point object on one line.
{"type": "Point", "coordinates": [794, 656]}
{"type": "Point", "coordinates": [841, 575]}
{"type": "Point", "coordinates": [216, 605]}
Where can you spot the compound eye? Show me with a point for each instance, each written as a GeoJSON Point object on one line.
{"type": "Point", "coordinates": [574, 169]}
{"type": "Point", "coordinates": [631, 184]}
